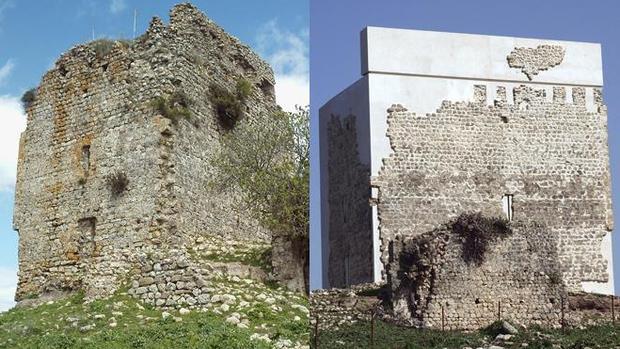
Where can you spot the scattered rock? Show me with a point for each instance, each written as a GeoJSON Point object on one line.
{"type": "Point", "coordinates": [87, 328]}
{"type": "Point", "coordinates": [507, 328]}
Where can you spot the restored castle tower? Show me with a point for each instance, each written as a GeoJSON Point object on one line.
{"type": "Point", "coordinates": [441, 124]}
{"type": "Point", "coordinates": [115, 161]}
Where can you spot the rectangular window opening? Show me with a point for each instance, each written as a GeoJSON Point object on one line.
{"type": "Point", "coordinates": [87, 227]}
{"type": "Point", "coordinates": [507, 206]}
{"type": "Point", "coordinates": [85, 159]}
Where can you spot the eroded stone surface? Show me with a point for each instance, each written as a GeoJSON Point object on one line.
{"type": "Point", "coordinates": [93, 117]}
{"type": "Point", "coordinates": [519, 279]}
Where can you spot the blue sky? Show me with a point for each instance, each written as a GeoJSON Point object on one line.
{"type": "Point", "coordinates": [334, 55]}
{"type": "Point", "coordinates": [33, 34]}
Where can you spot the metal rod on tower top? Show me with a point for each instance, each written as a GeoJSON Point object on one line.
{"type": "Point", "coordinates": [135, 16]}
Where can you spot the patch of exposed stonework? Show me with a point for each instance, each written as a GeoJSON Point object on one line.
{"type": "Point", "coordinates": [93, 117]}
{"type": "Point", "coordinates": [551, 156]}
{"type": "Point", "coordinates": [350, 255]}
{"type": "Point", "coordinates": [534, 60]}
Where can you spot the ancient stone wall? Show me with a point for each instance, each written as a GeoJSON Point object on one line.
{"type": "Point", "coordinates": [518, 279]}
{"type": "Point", "coordinates": [350, 255]}
{"type": "Point", "coordinates": [550, 154]}
{"type": "Point", "coordinates": [94, 117]}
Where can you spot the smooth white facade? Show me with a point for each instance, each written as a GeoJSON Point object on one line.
{"type": "Point", "coordinates": [419, 70]}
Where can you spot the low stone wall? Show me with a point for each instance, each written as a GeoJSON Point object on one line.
{"type": "Point", "coordinates": [171, 282]}
{"type": "Point", "coordinates": [336, 307]}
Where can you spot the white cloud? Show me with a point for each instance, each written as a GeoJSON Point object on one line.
{"type": "Point", "coordinates": [5, 71]}
{"type": "Point", "coordinates": [117, 6]}
{"type": "Point", "coordinates": [4, 5]}
{"type": "Point", "coordinates": [287, 53]}
{"type": "Point", "coordinates": [13, 122]}
{"type": "Point", "coordinates": [8, 285]}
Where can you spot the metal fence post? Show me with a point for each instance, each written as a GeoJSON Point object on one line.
{"type": "Point", "coordinates": [372, 328]}
{"type": "Point", "coordinates": [613, 310]}
{"type": "Point", "coordinates": [316, 333]}
{"type": "Point", "coordinates": [499, 310]}
{"type": "Point", "coordinates": [443, 321]}
{"type": "Point", "coordinates": [562, 307]}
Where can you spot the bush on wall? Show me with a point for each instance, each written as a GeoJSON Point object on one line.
{"type": "Point", "coordinates": [229, 106]}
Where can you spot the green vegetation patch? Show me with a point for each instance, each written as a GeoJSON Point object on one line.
{"type": "Point", "coordinates": [230, 106]}
{"type": "Point", "coordinates": [390, 336]}
{"type": "Point", "coordinates": [28, 98]}
{"type": "Point", "coordinates": [174, 107]}
{"type": "Point", "coordinates": [71, 323]}
{"type": "Point", "coordinates": [257, 256]}
{"type": "Point", "coordinates": [103, 47]}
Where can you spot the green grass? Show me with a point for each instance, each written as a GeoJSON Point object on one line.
{"type": "Point", "coordinates": [174, 107]}
{"type": "Point", "coordinates": [279, 315]}
{"type": "Point", "coordinates": [259, 256]}
{"type": "Point", "coordinates": [51, 326]}
{"type": "Point", "coordinates": [244, 252]}
{"type": "Point", "coordinates": [390, 336]}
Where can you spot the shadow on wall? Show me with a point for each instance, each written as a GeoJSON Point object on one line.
{"type": "Point", "coordinates": [350, 229]}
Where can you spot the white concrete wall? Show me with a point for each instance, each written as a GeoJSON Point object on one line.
{"type": "Point", "coordinates": [468, 56]}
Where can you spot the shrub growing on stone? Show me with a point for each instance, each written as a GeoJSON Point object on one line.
{"type": "Point", "coordinates": [102, 47]}
{"type": "Point", "coordinates": [477, 232]}
{"type": "Point", "coordinates": [173, 107]}
{"type": "Point", "coordinates": [268, 159]}
{"type": "Point", "coordinates": [28, 98]}
{"type": "Point", "coordinates": [117, 182]}
{"type": "Point", "coordinates": [229, 106]}
{"type": "Point", "coordinates": [244, 89]}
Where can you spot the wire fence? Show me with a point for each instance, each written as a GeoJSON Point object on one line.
{"type": "Point", "coordinates": [564, 310]}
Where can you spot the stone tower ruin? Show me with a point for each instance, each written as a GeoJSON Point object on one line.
{"type": "Point", "coordinates": [443, 124]}
{"type": "Point", "coordinates": [114, 164]}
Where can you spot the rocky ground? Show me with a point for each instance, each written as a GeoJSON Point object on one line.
{"type": "Point", "coordinates": [234, 305]}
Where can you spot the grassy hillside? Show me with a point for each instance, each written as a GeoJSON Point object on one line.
{"type": "Point", "coordinates": [122, 322]}
{"type": "Point", "coordinates": [388, 336]}
{"type": "Point", "coordinates": [242, 312]}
